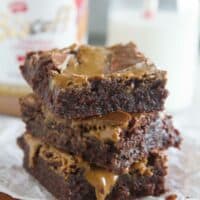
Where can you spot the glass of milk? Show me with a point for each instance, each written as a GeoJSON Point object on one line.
{"type": "Point", "coordinates": [168, 34]}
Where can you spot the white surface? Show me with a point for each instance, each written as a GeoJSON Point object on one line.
{"type": "Point", "coordinates": [184, 170]}
{"type": "Point", "coordinates": [13, 178]}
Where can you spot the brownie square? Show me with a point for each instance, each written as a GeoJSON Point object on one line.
{"type": "Point", "coordinates": [113, 141]}
{"type": "Point", "coordinates": [84, 81]}
{"type": "Point", "coordinates": [68, 177]}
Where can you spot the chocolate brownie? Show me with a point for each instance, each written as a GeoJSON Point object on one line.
{"type": "Point", "coordinates": [70, 178]}
{"type": "Point", "coordinates": [84, 81]}
{"type": "Point", "coordinates": [113, 141]}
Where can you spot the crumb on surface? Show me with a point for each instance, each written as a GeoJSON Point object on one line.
{"type": "Point", "coordinates": [171, 197]}
{"type": "Point", "coordinates": [4, 196]}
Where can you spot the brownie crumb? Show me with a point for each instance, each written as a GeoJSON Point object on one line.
{"type": "Point", "coordinates": [4, 196]}
{"type": "Point", "coordinates": [171, 197]}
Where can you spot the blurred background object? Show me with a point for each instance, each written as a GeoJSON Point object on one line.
{"type": "Point", "coordinates": [98, 21]}
{"type": "Point", "coordinates": [167, 31]}
{"type": "Point", "coordinates": [28, 25]}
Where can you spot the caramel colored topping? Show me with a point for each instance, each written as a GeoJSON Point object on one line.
{"type": "Point", "coordinates": [62, 163]}
{"type": "Point", "coordinates": [79, 63]}
{"type": "Point", "coordinates": [142, 167]}
{"type": "Point", "coordinates": [138, 70]}
{"type": "Point", "coordinates": [107, 134]}
{"type": "Point", "coordinates": [34, 145]}
{"type": "Point", "coordinates": [112, 119]}
{"type": "Point", "coordinates": [116, 118]}
{"type": "Point", "coordinates": [107, 127]}
{"type": "Point", "coordinates": [102, 181]}
{"type": "Point", "coordinates": [94, 127]}
{"type": "Point", "coordinates": [63, 81]}
{"type": "Point", "coordinates": [127, 60]}
{"type": "Point", "coordinates": [91, 61]}
{"type": "Point", "coordinates": [124, 56]}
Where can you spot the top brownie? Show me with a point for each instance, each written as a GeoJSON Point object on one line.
{"type": "Point", "coordinates": [84, 81]}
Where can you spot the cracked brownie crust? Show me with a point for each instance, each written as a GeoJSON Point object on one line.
{"type": "Point", "coordinates": [69, 178]}
{"type": "Point", "coordinates": [113, 142]}
{"type": "Point", "coordinates": [84, 81]}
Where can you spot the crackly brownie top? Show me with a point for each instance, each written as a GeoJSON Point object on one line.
{"type": "Point", "coordinates": [91, 61]}
{"type": "Point", "coordinates": [81, 62]}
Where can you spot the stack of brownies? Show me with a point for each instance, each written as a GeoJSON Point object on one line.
{"type": "Point", "coordinates": [95, 129]}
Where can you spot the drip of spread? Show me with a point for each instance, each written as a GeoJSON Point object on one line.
{"type": "Point", "coordinates": [102, 181]}
{"type": "Point", "coordinates": [34, 144]}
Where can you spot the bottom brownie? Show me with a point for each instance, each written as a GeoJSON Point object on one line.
{"type": "Point", "coordinates": [70, 178]}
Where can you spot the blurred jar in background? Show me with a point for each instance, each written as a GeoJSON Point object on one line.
{"type": "Point", "coordinates": [27, 25]}
{"type": "Point", "coordinates": [167, 32]}
{"type": "Point", "coordinates": [30, 25]}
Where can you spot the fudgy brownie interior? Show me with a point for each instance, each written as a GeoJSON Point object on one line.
{"type": "Point", "coordinates": [113, 142]}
